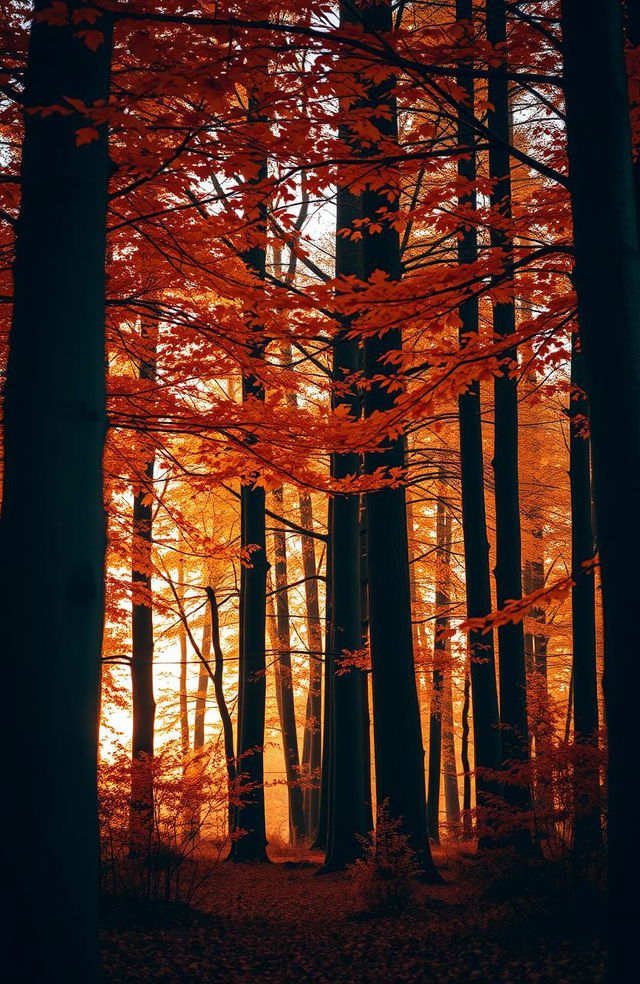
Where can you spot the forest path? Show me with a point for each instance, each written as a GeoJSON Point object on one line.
{"type": "Point", "coordinates": [280, 924]}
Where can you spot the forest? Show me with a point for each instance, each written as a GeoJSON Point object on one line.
{"type": "Point", "coordinates": [320, 524]}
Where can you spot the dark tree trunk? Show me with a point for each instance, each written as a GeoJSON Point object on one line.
{"type": "Point", "coordinates": [348, 797]}
{"type": "Point", "coordinates": [250, 815]}
{"type": "Point", "coordinates": [441, 654]}
{"type": "Point", "coordinates": [449, 768]}
{"type": "Point", "coordinates": [587, 833]}
{"type": "Point", "coordinates": [284, 682]}
{"type": "Point", "coordinates": [217, 678]}
{"type": "Point", "coordinates": [312, 747]}
{"type": "Point", "coordinates": [53, 527]}
{"type": "Point", "coordinates": [320, 842]}
{"type": "Point", "coordinates": [364, 633]}
{"type": "Point", "coordinates": [467, 829]}
{"type": "Point", "coordinates": [185, 740]}
{"type": "Point", "coordinates": [508, 569]}
{"type": "Point", "coordinates": [399, 752]}
{"type": "Point", "coordinates": [607, 281]}
{"type": "Point", "coordinates": [486, 733]}
{"type": "Point", "coordinates": [143, 700]}
{"type": "Point", "coordinates": [535, 649]}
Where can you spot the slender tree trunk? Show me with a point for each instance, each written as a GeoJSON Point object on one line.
{"type": "Point", "coordinates": [486, 733]}
{"type": "Point", "coordinates": [143, 700]}
{"type": "Point", "coordinates": [312, 747]}
{"type": "Point", "coordinates": [284, 682]}
{"type": "Point", "coordinates": [250, 817]}
{"type": "Point", "coordinates": [467, 829]}
{"type": "Point", "coordinates": [508, 569]}
{"type": "Point", "coordinates": [53, 525]}
{"type": "Point", "coordinates": [396, 716]}
{"type": "Point", "coordinates": [540, 725]}
{"type": "Point", "coordinates": [203, 686]}
{"type": "Point", "coordinates": [587, 833]}
{"type": "Point", "coordinates": [441, 655]}
{"type": "Point", "coordinates": [185, 741]}
{"type": "Point", "coordinates": [320, 842]}
{"type": "Point", "coordinates": [217, 678]}
{"type": "Point", "coordinates": [198, 761]}
{"type": "Point", "coordinates": [449, 767]}
{"type": "Point", "coordinates": [607, 281]}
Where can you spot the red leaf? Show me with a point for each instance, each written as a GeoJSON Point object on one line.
{"type": "Point", "coordinates": [85, 135]}
{"type": "Point", "coordinates": [92, 39]}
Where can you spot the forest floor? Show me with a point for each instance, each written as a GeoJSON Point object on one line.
{"type": "Point", "coordinates": [282, 924]}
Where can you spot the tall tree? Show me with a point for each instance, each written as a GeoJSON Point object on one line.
{"type": "Point", "coordinates": [486, 733]}
{"type": "Point", "coordinates": [441, 655]}
{"type": "Point", "coordinates": [312, 740]}
{"type": "Point", "coordinates": [251, 846]}
{"type": "Point", "coordinates": [607, 280]}
{"type": "Point", "coordinates": [52, 527]}
{"type": "Point", "coordinates": [284, 680]}
{"type": "Point", "coordinates": [587, 831]}
{"type": "Point", "coordinates": [203, 686]}
{"type": "Point", "coordinates": [142, 695]}
{"type": "Point", "coordinates": [348, 796]}
{"type": "Point", "coordinates": [508, 568]}
{"type": "Point", "coordinates": [399, 753]}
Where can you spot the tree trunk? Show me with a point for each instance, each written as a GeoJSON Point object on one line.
{"type": "Point", "coordinates": [508, 569]}
{"type": "Point", "coordinates": [441, 655]}
{"type": "Point", "coordinates": [364, 635]}
{"type": "Point", "coordinates": [587, 833]}
{"type": "Point", "coordinates": [53, 527]}
{"type": "Point", "coordinates": [607, 281]}
{"type": "Point", "coordinates": [540, 724]}
{"type": "Point", "coordinates": [320, 842]}
{"type": "Point", "coordinates": [312, 747]}
{"type": "Point", "coordinates": [486, 732]}
{"type": "Point", "coordinates": [143, 700]}
{"type": "Point", "coordinates": [449, 767]}
{"type": "Point", "coordinates": [467, 827]}
{"type": "Point", "coordinates": [185, 741]}
{"type": "Point", "coordinates": [217, 678]}
{"type": "Point", "coordinates": [284, 682]}
{"type": "Point", "coordinates": [250, 815]}
{"type": "Point", "coordinates": [203, 686]}
{"type": "Point", "coordinates": [348, 796]}
{"type": "Point", "coordinates": [397, 735]}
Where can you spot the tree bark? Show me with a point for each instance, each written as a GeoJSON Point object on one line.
{"type": "Point", "coordinates": [142, 643]}
{"type": "Point", "coordinates": [607, 280]}
{"type": "Point", "coordinates": [53, 526]}
{"type": "Point", "coordinates": [508, 569]}
{"type": "Point", "coordinates": [203, 686]}
{"type": "Point", "coordinates": [217, 678]}
{"type": "Point", "coordinates": [348, 796]}
{"type": "Point", "coordinates": [399, 752]}
{"type": "Point", "coordinates": [312, 741]}
{"type": "Point", "coordinates": [449, 767]}
{"type": "Point", "coordinates": [250, 815]}
{"type": "Point", "coordinates": [441, 655]}
{"type": "Point", "coordinates": [185, 740]}
{"type": "Point", "coordinates": [284, 682]}
{"type": "Point", "coordinates": [486, 733]}
{"type": "Point", "coordinates": [587, 832]}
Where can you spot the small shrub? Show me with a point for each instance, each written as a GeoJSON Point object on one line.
{"type": "Point", "coordinates": [156, 854]}
{"type": "Point", "coordinates": [385, 878]}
